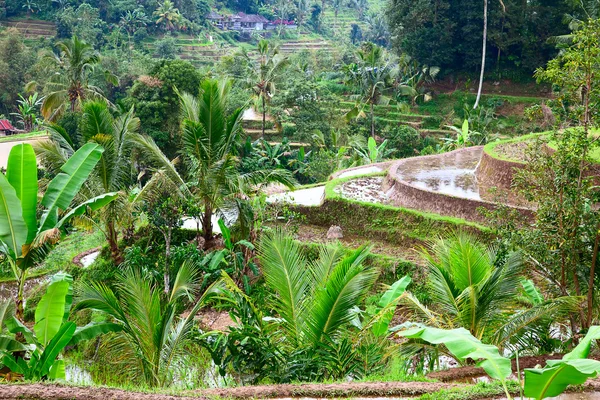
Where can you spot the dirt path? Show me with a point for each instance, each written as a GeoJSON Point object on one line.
{"type": "Point", "coordinates": [344, 390]}
{"type": "Point", "coordinates": [318, 234]}
{"type": "Point", "coordinates": [58, 392]}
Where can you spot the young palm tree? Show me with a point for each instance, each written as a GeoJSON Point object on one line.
{"type": "Point", "coordinates": [314, 299]}
{"type": "Point", "coordinates": [76, 61]}
{"type": "Point", "coordinates": [168, 15]}
{"type": "Point", "coordinates": [209, 140]}
{"type": "Point", "coordinates": [114, 172]}
{"type": "Point", "coordinates": [153, 339]}
{"type": "Point", "coordinates": [474, 287]}
{"type": "Point", "coordinates": [371, 75]}
{"type": "Point", "coordinates": [263, 75]}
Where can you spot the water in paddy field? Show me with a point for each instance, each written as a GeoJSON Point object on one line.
{"type": "Point", "coordinates": [451, 174]}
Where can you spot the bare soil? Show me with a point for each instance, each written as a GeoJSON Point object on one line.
{"type": "Point", "coordinates": [502, 87]}
{"type": "Point", "coordinates": [322, 390]}
{"type": "Point", "coordinates": [58, 392]}
{"type": "Point", "coordinates": [462, 373]}
{"type": "Point", "coordinates": [512, 151]}
{"type": "Point", "coordinates": [318, 234]}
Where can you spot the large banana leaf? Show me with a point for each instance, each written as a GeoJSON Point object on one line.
{"type": "Point", "coordinates": [463, 345]}
{"type": "Point", "coordinates": [57, 371]}
{"type": "Point", "coordinates": [91, 330]}
{"type": "Point", "coordinates": [552, 380]}
{"type": "Point", "coordinates": [53, 308]}
{"type": "Point", "coordinates": [63, 188]}
{"type": "Point", "coordinates": [93, 204]}
{"type": "Point", "coordinates": [10, 345]}
{"type": "Point", "coordinates": [573, 369]}
{"type": "Point", "coordinates": [21, 172]}
{"type": "Point", "coordinates": [53, 349]}
{"type": "Point", "coordinates": [387, 305]}
{"type": "Point", "coordinates": [13, 230]}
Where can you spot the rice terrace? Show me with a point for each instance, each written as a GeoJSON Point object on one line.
{"type": "Point", "coordinates": [299, 199]}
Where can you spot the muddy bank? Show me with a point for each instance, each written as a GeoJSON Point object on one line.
{"type": "Point", "coordinates": [322, 390]}
{"type": "Point", "coordinates": [58, 392]}
{"type": "Point", "coordinates": [462, 373]}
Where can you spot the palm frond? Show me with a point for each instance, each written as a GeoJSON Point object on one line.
{"type": "Point", "coordinates": [284, 269]}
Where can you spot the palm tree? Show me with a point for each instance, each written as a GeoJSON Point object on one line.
{"type": "Point", "coordinates": [210, 138]}
{"type": "Point", "coordinates": [114, 172]}
{"type": "Point", "coordinates": [317, 308]}
{"type": "Point", "coordinates": [371, 75]}
{"type": "Point", "coordinates": [154, 339]}
{"type": "Point", "coordinates": [76, 62]}
{"type": "Point", "coordinates": [168, 15]}
{"type": "Point", "coordinates": [477, 288]}
{"type": "Point", "coordinates": [131, 21]}
{"type": "Point", "coordinates": [263, 75]}
{"type": "Point", "coordinates": [337, 6]}
{"type": "Point", "coordinates": [302, 9]}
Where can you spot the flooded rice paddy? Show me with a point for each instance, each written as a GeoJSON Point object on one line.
{"type": "Point", "coordinates": [451, 174]}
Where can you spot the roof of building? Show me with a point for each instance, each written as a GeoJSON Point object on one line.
{"type": "Point", "coordinates": [252, 18]}
{"type": "Point", "coordinates": [5, 125]}
{"type": "Point", "coordinates": [214, 15]}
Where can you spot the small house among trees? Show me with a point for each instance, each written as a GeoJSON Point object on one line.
{"type": "Point", "coordinates": [246, 22]}
{"type": "Point", "coordinates": [6, 128]}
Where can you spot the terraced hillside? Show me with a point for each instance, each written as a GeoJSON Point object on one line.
{"type": "Point", "coordinates": [199, 52]}
{"type": "Point", "coordinates": [427, 125]}
{"type": "Point", "coordinates": [31, 28]}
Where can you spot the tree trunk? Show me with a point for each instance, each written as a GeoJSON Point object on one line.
{"type": "Point", "coordinates": [112, 236]}
{"type": "Point", "coordinates": [19, 310]}
{"type": "Point", "coordinates": [207, 227]}
{"type": "Point", "coordinates": [372, 121]}
{"type": "Point", "coordinates": [264, 115]}
{"type": "Point", "coordinates": [166, 277]}
{"type": "Point", "coordinates": [485, 6]}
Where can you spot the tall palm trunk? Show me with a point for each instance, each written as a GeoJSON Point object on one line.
{"type": "Point", "coordinates": [112, 236]}
{"type": "Point", "coordinates": [485, 7]}
{"type": "Point", "coordinates": [372, 121]}
{"type": "Point", "coordinates": [207, 228]}
{"type": "Point", "coordinates": [264, 115]}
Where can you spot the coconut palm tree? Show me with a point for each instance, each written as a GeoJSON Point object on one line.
{"type": "Point", "coordinates": [154, 338]}
{"type": "Point", "coordinates": [475, 287]}
{"type": "Point", "coordinates": [76, 61]}
{"type": "Point", "coordinates": [263, 75]}
{"type": "Point", "coordinates": [209, 141]}
{"type": "Point", "coordinates": [168, 15]}
{"type": "Point", "coordinates": [114, 172]}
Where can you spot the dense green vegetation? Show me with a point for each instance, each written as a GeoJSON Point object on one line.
{"type": "Point", "coordinates": [155, 143]}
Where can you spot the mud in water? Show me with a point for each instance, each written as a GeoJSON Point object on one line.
{"type": "Point", "coordinates": [364, 189]}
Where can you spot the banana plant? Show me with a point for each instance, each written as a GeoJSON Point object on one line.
{"type": "Point", "coordinates": [51, 333]}
{"type": "Point", "coordinates": [462, 344]}
{"type": "Point", "coordinates": [373, 153]}
{"type": "Point", "coordinates": [23, 238]}
{"type": "Point", "coordinates": [573, 369]}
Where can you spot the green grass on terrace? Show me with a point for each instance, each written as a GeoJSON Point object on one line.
{"type": "Point", "coordinates": [22, 136]}
{"type": "Point", "coordinates": [491, 148]}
